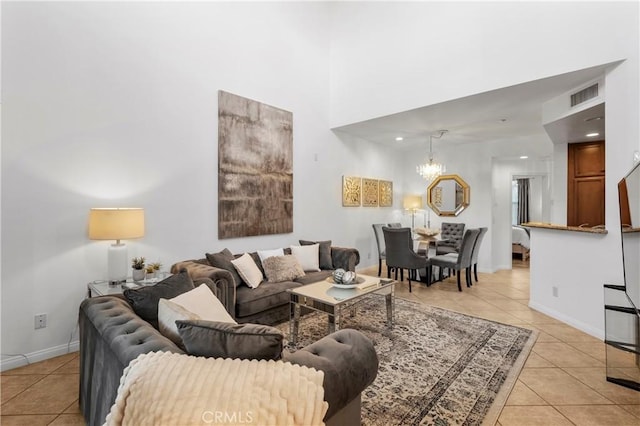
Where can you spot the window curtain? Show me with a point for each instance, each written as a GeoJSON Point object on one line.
{"type": "Point", "coordinates": [523, 200]}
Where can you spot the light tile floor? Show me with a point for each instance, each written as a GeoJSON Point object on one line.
{"type": "Point", "coordinates": [562, 383]}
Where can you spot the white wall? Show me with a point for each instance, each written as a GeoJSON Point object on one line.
{"type": "Point", "coordinates": [115, 104]}
{"type": "Point", "coordinates": [424, 53]}
{"type": "Point", "coordinates": [559, 186]}
{"type": "Point", "coordinates": [572, 262]}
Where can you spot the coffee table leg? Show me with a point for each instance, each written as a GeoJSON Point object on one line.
{"type": "Point", "coordinates": [294, 320]}
{"type": "Point", "coordinates": [389, 300]}
{"type": "Point", "coordinates": [334, 320]}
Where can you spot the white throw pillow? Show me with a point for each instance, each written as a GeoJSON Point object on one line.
{"type": "Point", "coordinates": [202, 302]}
{"type": "Point", "coordinates": [168, 314]}
{"type": "Point", "coordinates": [265, 254]}
{"type": "Point", "coordinates": [248, 270]}
{"type": "Point", "coordinates": [308, 256]}
{"type": "Point", "coordinates": [199, 303]}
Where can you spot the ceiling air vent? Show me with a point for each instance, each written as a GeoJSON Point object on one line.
{"type": "Point", "coordinates": [584, 95]}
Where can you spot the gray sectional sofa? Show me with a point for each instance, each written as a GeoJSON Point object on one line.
{"type": "Point", "coordinates": [269, 303]}
{"type": "Point", "coordinates": [112, 335]}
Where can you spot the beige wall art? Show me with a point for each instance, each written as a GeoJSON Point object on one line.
{"type": "Point", "coordinates": [351, 191]}
{"type": "Point", "coordinates": [255, 168]}
{"type": "Point", "coordinates": [369, 192]}
{"type": "Point", "coordinates": [385, 193]}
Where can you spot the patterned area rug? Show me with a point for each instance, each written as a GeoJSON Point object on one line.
{"type": "Point", "coordinates": [437, 367]}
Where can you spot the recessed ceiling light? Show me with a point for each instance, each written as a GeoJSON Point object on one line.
{"type": "Point", "coordinates": [592, 135]}
{"type": "Point", "coordinates": [399, 138]}
{"type": "Point", "coordinates": [524, 157]}
{"type": "Point", "coordinates": [592, 119]}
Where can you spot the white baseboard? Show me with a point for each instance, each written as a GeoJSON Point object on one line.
{"type": "Point", "coordinates": [597, 333]}
{"type": "Point", "coordinates": [20, 361]}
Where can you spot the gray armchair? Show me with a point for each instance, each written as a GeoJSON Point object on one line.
{"type": "Point", "coordinates": [458, 261]}
{"type": "Point", "coordinates": [400, 254]}
{"type": "Point", "coordinates": [450, 238]}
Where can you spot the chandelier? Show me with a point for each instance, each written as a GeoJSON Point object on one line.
{"type": "Point", "coordinates": [431, 169]}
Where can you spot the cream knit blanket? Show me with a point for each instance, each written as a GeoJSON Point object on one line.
{"type": "Point", "coordinates": [163, 388]}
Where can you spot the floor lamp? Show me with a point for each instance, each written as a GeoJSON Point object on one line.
{"type": "Point", "coordinates": [412, 203]}
{"type": "Point", "coordinates": [116, 224]}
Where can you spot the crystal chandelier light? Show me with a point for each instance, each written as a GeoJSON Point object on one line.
{"type": "Point", "coordinates": [431, 169]}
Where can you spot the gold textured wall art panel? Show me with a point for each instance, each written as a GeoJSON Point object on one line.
{"type": "Point", "coordinates": [369, 192]}
{"type": "Point", "coordinates": [351, 191]}
{"type": "Point", "coordinates": [385, 193]}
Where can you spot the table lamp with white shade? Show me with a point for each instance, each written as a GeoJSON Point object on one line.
{"type": "Point", "coordinates": [116, 224]}
{"type": "Point", "coordinates": [412, 203]}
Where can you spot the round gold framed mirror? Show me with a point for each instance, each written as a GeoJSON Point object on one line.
{"type": "Point", "coordinates": [448, 195]}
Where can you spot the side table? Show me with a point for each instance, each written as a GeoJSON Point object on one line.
{"type": "Point", "coordinates": [103, 288]}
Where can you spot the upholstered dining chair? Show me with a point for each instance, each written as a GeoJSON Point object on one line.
{"type": "Point", "coordinates": [476, 250]}
{"type": "Point", "coordinates": [458, 261]}
{"type": "Point", "coordinates": [395, 225]}
{"type": "Point", "coordinates": [377, 230]}
{"type": "Point", "coordinates": [400, 254]}
{"type": "Point", "coordinates": [450, 238]}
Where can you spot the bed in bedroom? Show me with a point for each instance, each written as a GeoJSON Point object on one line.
{"type": "Point", "coordinates": [520, 241]}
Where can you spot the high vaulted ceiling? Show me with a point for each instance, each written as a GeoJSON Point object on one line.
{"type": "Point", "coordinates": [510, 113]}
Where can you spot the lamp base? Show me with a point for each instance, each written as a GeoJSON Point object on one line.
{"type": "Point", "coordinates": [117, 264]}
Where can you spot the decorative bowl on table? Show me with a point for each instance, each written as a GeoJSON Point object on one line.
{"type": "Point", "coordinates": [345, 279]}
{"type": "Point", "coordinates": [427, 232]}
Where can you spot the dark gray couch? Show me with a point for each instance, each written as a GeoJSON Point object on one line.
{"type": "Point", "coordinates": [269, 303]}
{"type": "Point", "coordinates": [112, 335]}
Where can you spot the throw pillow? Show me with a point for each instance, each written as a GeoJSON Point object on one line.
{"type": "Point", "coordinates": [202, 302]}
{"type": "Point", "coordinates": [168, 314]}
{"type": "Point", "coordinates": [223, 340]}
{"type": "Point", "coordinates": [265, 254]}
{"type": "Point", "coordinates": [199, 303]}
{"type": "Point", "coordinates": [144, 301]}
{"type": "Point", "coordinates": [326, 262]}
{"type": "Point", "coordinates": [248, 270]}
{"type": "Point", "coordinates": [223, 260]}
{"type": "Point", "coordinates": [282, 268]}
{"type": "Point", "coordinates": [308, 256]}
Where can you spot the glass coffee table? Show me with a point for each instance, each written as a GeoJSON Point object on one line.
{"type": "Point", "coordinates": [324, 296]}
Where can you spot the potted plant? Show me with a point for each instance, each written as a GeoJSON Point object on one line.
{"type": "Point", "coordinates": [151, 272]}
{"type": "Point", "coordinates": [137, 264]}
{"type": "Point", "coordinates": [156, 268]}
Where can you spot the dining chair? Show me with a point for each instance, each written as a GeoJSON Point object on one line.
{"type": "Point", "coordinates": [395, 225]}
{"type": "Point", "coordinates": [400, 254]}
{"type": "Point", "coordinates": [476, 250]}
{"type": "Point", "coordinates": [377, 231]}
{"type": "Point", "coordinates": [450, 238]}
{"type": "Point", "coordinates": [458, 261]}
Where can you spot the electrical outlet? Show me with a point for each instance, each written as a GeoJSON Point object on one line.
{"type": "Point", "coordinates": [554, 291]}
{"type": "Point", "coordinates": [369, 255]}
{"type": "Point", "coordinates": [40, 321]}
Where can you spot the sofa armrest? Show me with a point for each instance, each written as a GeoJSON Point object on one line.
{"type": "Point", "coordinates": [349, 362]}
{"type": "Point", "coordinates": [111, 336]}
{"type": "Point", "coordinates": [345, 258]}
{"type": "Point", "coordinates": [219, 281]}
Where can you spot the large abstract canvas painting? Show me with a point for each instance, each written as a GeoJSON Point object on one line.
{"type": "Point", "coordinates": [255, 168]}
